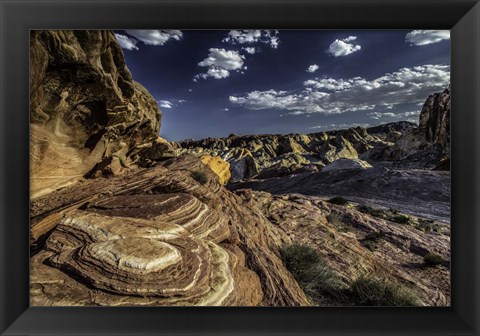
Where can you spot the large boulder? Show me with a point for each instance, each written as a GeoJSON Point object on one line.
{"type": "Point", "coordinates": [218, 166]}
{"type": "Point", "coordinates": [84, 106]}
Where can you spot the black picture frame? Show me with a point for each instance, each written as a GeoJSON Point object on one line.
{"type": "Point", "coordinates": [17, 17]}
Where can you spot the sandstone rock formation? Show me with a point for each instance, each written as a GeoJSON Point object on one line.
{"type": "Point", "coordinates": [138, 238]}
{"type": "Point", "coordinates": [435, 118]}
{"type": "Point", "coordinates": [264, 156]}
{"type": "Point", "coordinates": [429, 144]}
{"type": "Point", "coordinates": [218, 166]}
{"type": "Point", "coordinates": [84, 106]}
{"type": "Point", "coordinates": [140, 221]}
{"type": "Point", "coordinates": [344, 236]}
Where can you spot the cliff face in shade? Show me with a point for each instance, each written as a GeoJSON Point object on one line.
{"type": "Point", "coordinates": [435, 118]}
{"type": "Point", "coordinates": [84, 106]}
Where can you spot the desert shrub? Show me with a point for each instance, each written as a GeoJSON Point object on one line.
{"type": "Point", "coordinates": [338, 200]}
{"type": "Point", "coordinates": [401, 219]}
{"type": "Point", "coordinates": [433, 259]}
{"type": "Point", "coordinates": [372, 240]}
{"type": "Point", "coordinates": [370, 211]}
{"type": "Point", "coordinates": [199, 176]}
{"type": "Point", "coordinates": [310, 271]}
{"type": "Point", "coordinates": [372, 292]}
{"type": "Point", "coordinates": [390, 214]}
{"type": "Point", "coordinates": [336, 220]}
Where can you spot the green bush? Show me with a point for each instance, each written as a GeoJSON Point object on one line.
{"type": "Point", "coordinates": [433, 259]}
{"type": "Point", "coordinates": [372, 240]}
{"type": "Point", "coordinates": [310, 271]}
{"type": "Point", "coordinates": [199, 176]}
{"type": "Point", "coordinates": [338, 200]}
{"type": "Point", "coordinates": [371, 292]}
{"type": "Point", "coordinates": [401, 219]}
{"type": "Point", "coordinates": [390, 214]}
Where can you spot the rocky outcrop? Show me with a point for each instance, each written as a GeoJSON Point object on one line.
{"type": "Point", "coordinates": [218, 166]}
{"type": "Point", "coordinates": [429, 144]}
{"type": "Point", "coordinates": [156, 236]}
{"type": "Point", "coordinates": [355, 244]}
{"type": "Point", "coordinates": [434, 121]}
{"type": "Point", "coordinates": [264, 156]}
{"type": "Point", "coordinates": [422, 193]}
{"type": "Point", "coordinates": [84, 106]}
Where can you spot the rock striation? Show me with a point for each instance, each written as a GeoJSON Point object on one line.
{"type": "Point", "coordinates": [141, 221]}
{"type": "Point", "coordinates": [156, 236]}
{"type": "Point", "coordinates": [84, 106]}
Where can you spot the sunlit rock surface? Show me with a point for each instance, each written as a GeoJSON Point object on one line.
{"type": "Point", "coordinates": [84, 106]}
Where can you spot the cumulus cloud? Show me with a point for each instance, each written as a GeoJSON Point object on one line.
{"type": "Point", "coordinates": [335, 96]}
{"type": "Point", "coordinates": [269, 37]}
{"type": "Point", "coordinates": [155, 37]}
{"type": "Point", "coordinates": [220, 62]}
{"type": "Point", "coordinates": [312, 68]}
{"type": "Point", "coordinates": [165, 104]}
{"type": "Point", "coordinates": [126, 42]}
{"type": "Point", "coordinates": [331, 127]}
{"type": "Point", "coordinates": [390, 115]}
{"type": "Point", "coordinates": [424, 37]}
{"type": "Point", "coordinates": [168, 104]}
{"type": "Point", "coordinates": [249, 50]}
{"type": "Point", "coordinates": [343, 47]}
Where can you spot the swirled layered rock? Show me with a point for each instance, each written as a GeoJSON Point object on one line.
{"type": "Point", "coordinates": [98, 221]}
{"type": "Point", "coordinates": [179, 208]}
{"type": "Point", "coordinates": [142, 258]}
{"type": "Point", "coordinates": [84, 106]}
{"type": "Point", "coordinates": [218, 166]}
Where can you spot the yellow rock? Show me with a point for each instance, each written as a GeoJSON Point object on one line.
{"type": "Point", "coordinates": [218, 166]}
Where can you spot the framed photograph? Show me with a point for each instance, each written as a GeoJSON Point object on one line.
{"type": "Point", "coordinates": [232, 167]}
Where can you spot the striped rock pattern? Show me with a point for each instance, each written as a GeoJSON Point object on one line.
{"type": "Point", "coordinates": [157, 236]}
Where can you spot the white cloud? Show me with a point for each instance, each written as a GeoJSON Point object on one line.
{"type": "Point", "coordinates": [170, 103]}
{"type": "Point", "coordinates": [343, 47]}
{"type": "Point", "coordinates": [269, 37]}
{"type": "Point", "coordinates": [126, 42]}
{"type": "Point", "coordinates": [249, 50]}
{"type": "Point", "coordinates": [312, 68]}
{"type": "Point", "coordinates": [226, 109]}
{"type": "Point", "coordinates": [393, 116]}
{"type": "Point", "coordinates": [424, 37]}
{"type": "Point", "coordinates": [339, 126]}
{"type": "Point", "coordinates": [165, 104]}
{"type": "Point", "coordinates": [155, 37]}
{"type": "Point", "coordinates": [335, 96]}
{"type": "Point", "coordinates": [220, 62]}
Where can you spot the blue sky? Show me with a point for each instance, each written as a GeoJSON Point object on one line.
{"type": "Point", "coordinates": [211, 83]}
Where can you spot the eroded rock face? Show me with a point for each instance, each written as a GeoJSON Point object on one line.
{"type": "Point", "coordinates": [84, 106]}
{"type": "Point", "coordinates": [265, 156]}
{"type": "Point", "coordinates": [434, 121]}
